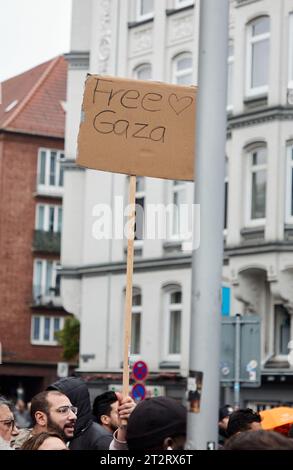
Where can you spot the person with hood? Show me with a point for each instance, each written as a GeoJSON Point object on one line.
{"type": "Point", "coordinates": [88, 435]}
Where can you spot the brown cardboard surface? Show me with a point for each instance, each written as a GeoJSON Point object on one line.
{"type": "Point", "coordinates": [138, 128]}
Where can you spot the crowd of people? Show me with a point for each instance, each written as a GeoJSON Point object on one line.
{"type": "Point", "coordinates": [62, 418]}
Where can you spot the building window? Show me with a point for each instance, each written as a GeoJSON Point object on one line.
{"type": "Point", "coordinates": [139, 208]}
{"type": "Point", "coordinates": [143, 72]}
{"type": "Point", "coordinates": [46, 281]}
{"type": "Point", "coordinates": [182, 69]}
{"type": "Point", "coordinates": [48, 218]}
{"type": "Point", "coordinates": [257, 182]}
{"type": "Point", "coordinates": [282, 330]}
{"type": "Point", "coordinates": [136, 322]}
{"type": "Point", "coordinates": [178, 201]}
{"type": "Point", "coordinates": [44, 329]}
{"type": "Point", "coordinates": [183, 3]}
{"type": "Point", "coordinates": [50, 173]}
{"type": "Point", "coordinates": [173, 318]}
{"type": "Point", "coordinates": [290, 62]}
{"type": "Point", "coordinates": [145, 9]}
{"type": "Point", "coordinates": [289, 188]}
{"type": "Point", "coordinates": [258, 45]}
{"type": "Point", "coordinates": [226, 194]}
{"type": "Point", "coordinates": [230, 77]}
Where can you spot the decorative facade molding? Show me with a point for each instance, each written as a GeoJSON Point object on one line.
{"type": "Point", "coordinates": [242, 3]}
{"type": "Point", "coordinates": [78, 60]}
{"type": "Point", "coordinates": [248, 289]}
{"type": "Point", "coordinates": [105, 40]}
{"type": "Point", "coordinates": [282, 289]}
{"type": "Point", "coordinates": [142, 40]}
{"type": "Point", "coordinates": [257, 248]}
{"type": "Point", "coordinates": [181, 28]}
{"type": "Point", "coordinates": [178, 262]}
{"type": "Point", "coordinates": [281, 113]}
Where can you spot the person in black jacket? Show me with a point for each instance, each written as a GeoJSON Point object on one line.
{"type": "Point", "coordinates": [88, 435]}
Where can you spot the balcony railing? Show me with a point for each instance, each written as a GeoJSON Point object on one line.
{"type": "Point", "coordinates": [48, 242]}
{"type": "Point", "coordinates": [49, 297]}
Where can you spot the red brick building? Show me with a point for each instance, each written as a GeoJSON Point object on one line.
{"type": "Point", "coordinates": [32, 121]}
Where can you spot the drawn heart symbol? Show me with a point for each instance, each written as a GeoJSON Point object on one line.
{"type": "Point", "coordinates": [179, 104]}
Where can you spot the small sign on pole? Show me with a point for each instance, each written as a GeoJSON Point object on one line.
{"type": "Point", "coordinates": [140, 370]}
{"type": "Point", "coordinates": [138, 392]}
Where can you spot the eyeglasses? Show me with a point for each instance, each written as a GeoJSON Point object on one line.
{"type": "Point", "coordinates": [8, 422]}
{"type": "Point", "coordinates": [64, 410]}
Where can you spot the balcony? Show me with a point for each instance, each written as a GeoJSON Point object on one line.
{"type": "Point", "coordinates": [47, 242]}
{"type": "Point", "coordinates": [49, 298]}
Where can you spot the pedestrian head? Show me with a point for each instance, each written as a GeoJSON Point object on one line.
{"type": "Point", "coordinates": [53, 411]}
{"type": "Point", "coordinates": [45, 441]}
{"type": "Point", "coordinates": [243, 420]}
{"type": "Point", "coordinates": [105, 409]}
{"type": "Point", "coordinates": [224, 414]}
{"type": "Point", "coordinates": [157, 424]}
{"type": "Point", "coordinates": [7, 422]}
{"type": "Point", "coordinates": [258, 440]}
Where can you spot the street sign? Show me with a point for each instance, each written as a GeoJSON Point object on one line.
{"type": "Point", "coordinates": [62, 369]}
{"type": "Point", "coordinates": [151, 390]}
{"type": "Point", "coordinates": [140, 370]}
{"type": "Point", "coordinates": [249, 349]}
{"type": "Point", "coordinates": [138, 392]}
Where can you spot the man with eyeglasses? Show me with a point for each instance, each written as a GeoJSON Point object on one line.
{"type": "Point", "coordinates": [50, 411]}
{"type": "Point", "coordinates": [89, 435]}
{"type": "Point", "coordinates": [7, 424]}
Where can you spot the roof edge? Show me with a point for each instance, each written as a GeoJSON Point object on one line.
{"type": "Point", "coordinates": [31, 93]}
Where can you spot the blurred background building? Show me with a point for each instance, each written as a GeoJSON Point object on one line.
{"type": "Point", "coordinates": [32, 120]}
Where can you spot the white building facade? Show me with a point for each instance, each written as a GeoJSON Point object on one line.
{"type": "Point", "coordinates": [158, 40]}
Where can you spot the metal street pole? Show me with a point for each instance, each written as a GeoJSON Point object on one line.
{"type": "Point", "coordinates": [205, 330]}
{"type": "Point", "coordinates": [237, 361]}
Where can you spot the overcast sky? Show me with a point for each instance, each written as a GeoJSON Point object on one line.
{"type": "Point", "coordinates": [31, 32]}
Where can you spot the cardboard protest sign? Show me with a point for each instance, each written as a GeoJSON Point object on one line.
{"type": "Point", "coordinates": [138, 128]}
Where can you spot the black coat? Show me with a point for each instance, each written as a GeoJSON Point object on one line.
{"type": "Point", "coordinates": [87, 435]}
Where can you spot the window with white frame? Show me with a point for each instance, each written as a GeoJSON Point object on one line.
{"type": "Point", "coordinates": [178, 201]}
{"type": "Point", "coordinates": [182, 69]}
{"type": "Point", "coordinates": [143, 72]}
{"type": "Point", "coordinates": [49, 218]}
{"type": "Point", "coordinates": [139, 208]}
{"type": "Point", "coordinates": [257, 182]}
{"type": "Point", "coordinates": [258, 48]}
{"type": "Point", "coordinates": [183, 3]}
{"type": "Point", "coordinates": [226, 193]}
{"type": "Point", "coordinates": [44, 329]}
{"type": "Point", "coordinates": [282, 330]}
{"type": "Point", "coordinates": [290, 49]}
{"type": "Point", "coordinates": [173, 305]}
{"type": "Point", "coordinates": [46, 280]}
{"type": "Point", "coordinates": [289, 185]}
{"type": "Point", "coordinates": [136, 322]}
{"type": "Point", "coordinates": [144, 9]}
{"type": "Point", "coordinates": [230, 76]}
{"type": "Point", "coordinates": [50, 173]}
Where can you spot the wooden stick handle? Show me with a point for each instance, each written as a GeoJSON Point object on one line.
{"type": "Point", "coordinates": [128, 296]}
